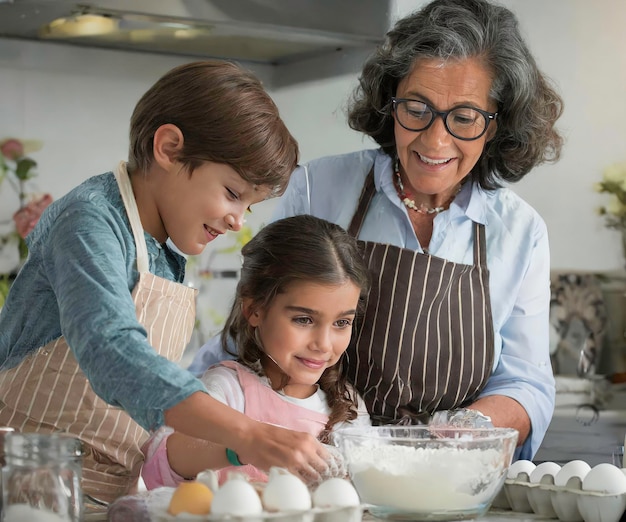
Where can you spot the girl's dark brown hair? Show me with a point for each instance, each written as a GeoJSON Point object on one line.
{"type": "Point", "coordinates": [225, 115]}
{"type": "Point", "coordinates": [293, 250]}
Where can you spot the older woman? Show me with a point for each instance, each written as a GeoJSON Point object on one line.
{"type": "Point", "coordinates": [458, 313]}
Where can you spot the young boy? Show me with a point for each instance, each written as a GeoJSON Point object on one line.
{"type": "Point", "coordinates": [98, 308]}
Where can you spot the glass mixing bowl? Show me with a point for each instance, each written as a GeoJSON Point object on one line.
{"type": "Point", "coordinates": [426, 473]}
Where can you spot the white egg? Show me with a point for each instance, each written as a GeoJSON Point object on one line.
{"type": "Point", "coordinates": [520, 466]}
{"type": "Point", "coordinates": [605, 478]}
{"type": "Point", "coordinates": [236, 497]}
{"type": "Point", "coordinates": [573, 468]}
{"type": "Point", "coordinates": [335, 492]}
{"type": "Point", "coordinates": [545, 468]}
{"type": "Point", "coordinates": [285, 492]}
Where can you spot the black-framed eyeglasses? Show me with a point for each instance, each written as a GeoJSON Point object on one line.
{"type": "Point", "coordinates": [465, 123]}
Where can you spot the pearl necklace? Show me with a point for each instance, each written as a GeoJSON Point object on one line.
{"type": "Point", "coordinates": [421, 209]}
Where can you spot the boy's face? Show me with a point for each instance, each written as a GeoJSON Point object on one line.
{"type": "Point", "coordinates": [196, 209]}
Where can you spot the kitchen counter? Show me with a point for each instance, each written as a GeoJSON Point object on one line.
{"type": "Point", "coordinates": [491, 516]}
{"type": "Point", "coordinates": [496, 515]}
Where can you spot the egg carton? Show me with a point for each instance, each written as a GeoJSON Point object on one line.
{"type": "Point", "coordinates": [569, 503]}
{"type": "Point", "coordinates": [159, 500]}
{"type": "Point", "coordinates": [345, 514]}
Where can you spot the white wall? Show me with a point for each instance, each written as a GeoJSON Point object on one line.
{"type": "Point", "coordinates": [78, 103]}
{"type": "Point", "coordinates": [582, 46]}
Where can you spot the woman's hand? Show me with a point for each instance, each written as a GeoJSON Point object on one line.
{"type": "Point", "coordinates": [505, 413]}
{"type": "Point", "coordinates": [266, 445]}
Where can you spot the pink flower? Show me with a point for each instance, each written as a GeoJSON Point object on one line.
{"type": "Point", "coordinates": [12, 148]}
{"type": "Point", "coordinates": [27, 217]}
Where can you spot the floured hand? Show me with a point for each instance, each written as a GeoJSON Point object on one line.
{"type": "Point", "coordinates": [336, 467]}
{"type": "Point", "coordinates": [461, 418]}
{"type": "Point", "coordinates": [268, 445]}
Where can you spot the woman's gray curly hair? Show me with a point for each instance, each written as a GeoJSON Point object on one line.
{"type": "Point", "coordinates": [528, 106]}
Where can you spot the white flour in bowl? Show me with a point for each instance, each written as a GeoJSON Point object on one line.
{"type": "Point", "coordinates": [426, 480]}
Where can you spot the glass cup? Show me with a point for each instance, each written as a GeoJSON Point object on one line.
{"type": "Point", "coordinates": [42, 477]}
{"type": "Point", "coordinates": [3, 431]}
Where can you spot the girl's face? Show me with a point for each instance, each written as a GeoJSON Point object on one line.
{"type": "Point", "coordinates": [432, 161]}
{"type": "Point", "coordinates": [304, 331]}
{"type": "Point", "coordinates": [196, 209]}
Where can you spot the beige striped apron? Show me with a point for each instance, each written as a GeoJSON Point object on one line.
{"type": "Point", "coordinates": [425, 341]}
{"type": "Point", "coordinates": [47, 392]}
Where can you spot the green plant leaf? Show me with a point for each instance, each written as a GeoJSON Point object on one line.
{"type": "Point", "coordinates": [23, 168]}
{"type": "Point", "coordinates": [23, 248]}
{"type": "Point", "coordinates": [4, 288]}
{"type": "Point", "coordinates": [4, 168]}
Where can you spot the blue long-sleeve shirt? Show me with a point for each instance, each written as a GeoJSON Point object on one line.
{"type": "Point", "coordinates": [77, 282]}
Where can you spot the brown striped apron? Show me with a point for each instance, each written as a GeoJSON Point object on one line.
{"type": "Point", "coordinates": [425, 340]}
{"type": "Point", "coordinates": [48, 392]}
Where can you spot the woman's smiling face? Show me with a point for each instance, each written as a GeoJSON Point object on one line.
{"type": "Point", "coordinates": [432, 161]}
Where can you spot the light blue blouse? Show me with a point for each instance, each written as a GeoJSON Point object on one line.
{"type": "Point", "coordinates": [518, 258]}
{"type": "Point", "coordinates": [77, 282]}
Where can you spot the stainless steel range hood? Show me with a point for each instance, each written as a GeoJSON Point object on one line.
{"type": "Point", "coordinates": [273, 32]}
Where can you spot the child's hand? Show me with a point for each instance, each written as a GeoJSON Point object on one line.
{"type": "Point", "coordinates": [337, 466]}
{"type": "Point", "coordinates": [267, 445]}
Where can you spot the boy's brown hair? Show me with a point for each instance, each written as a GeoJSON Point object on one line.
{"type": "Point", "coordinates": [225, 115]}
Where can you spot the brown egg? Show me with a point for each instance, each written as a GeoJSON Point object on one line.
{"type": "Point", "coordinates": [191, 497]}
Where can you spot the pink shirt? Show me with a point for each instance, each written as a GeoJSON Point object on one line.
{"type": "Point", "coordinates": [262, 403]}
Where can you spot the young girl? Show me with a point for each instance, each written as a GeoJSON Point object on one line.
{"type": "Point", "coordinates": [295, 305]}
{"type": "Point", "coordinates": [99, 308]}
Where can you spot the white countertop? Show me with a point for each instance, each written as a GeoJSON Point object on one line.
{"type": "Point", "coordinates": [494, 515]}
